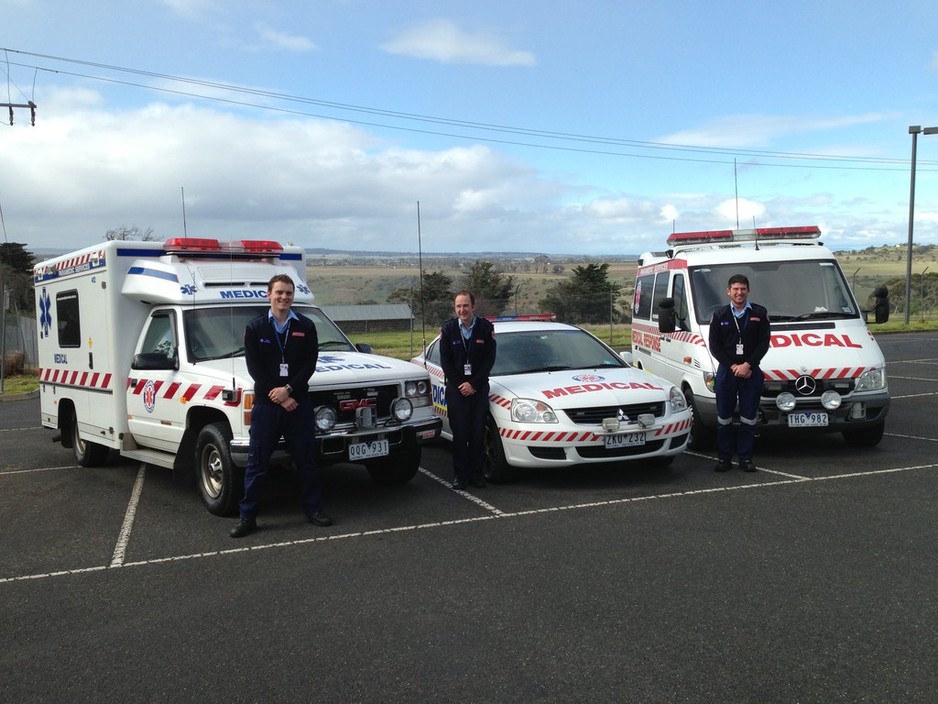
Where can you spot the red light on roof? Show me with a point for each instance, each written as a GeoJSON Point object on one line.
{"type": "Point", "coordinates": [732, 236]}
{"type": "Point", "coordinates": [192, 244]}
{"type": "Point", "coordinates": [261, 246]}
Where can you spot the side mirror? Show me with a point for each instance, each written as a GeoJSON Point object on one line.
{"type": "Point", "coordinates": [153, 361]}
{"type": "Point", "coordinates": [666, 320]}
{"type": "Point", "coordinates": [364, 347]}
{"type": "Point", "coordinates": [881, 306]}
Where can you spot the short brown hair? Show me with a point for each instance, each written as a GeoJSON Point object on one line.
{"type": "Point", "coordinates": [279, 279]}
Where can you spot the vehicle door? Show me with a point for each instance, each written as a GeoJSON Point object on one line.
{"type": "Point", "coordinates": [155, 415]}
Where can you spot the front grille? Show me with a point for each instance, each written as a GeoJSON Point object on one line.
{"type": "Point", "coordinates": [345, 401]}
{"type": "Point", "coordinates": [598, 451]}
{"type": "Point", "coordinates": [595, 415]}
{"type": "Point", "coordinates": [841, 386]}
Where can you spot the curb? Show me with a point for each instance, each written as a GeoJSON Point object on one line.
{"type": "Point", "coordinates": [19, 397]}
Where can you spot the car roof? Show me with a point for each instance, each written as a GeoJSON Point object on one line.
{"type": "Point", "coordinates": [503, 326]}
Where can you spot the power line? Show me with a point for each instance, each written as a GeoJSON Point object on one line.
{"type": "Point", "coordinates": [800, 159]}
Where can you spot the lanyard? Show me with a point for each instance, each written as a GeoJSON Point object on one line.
{"type": "Point", "coordinates": [282, 342]}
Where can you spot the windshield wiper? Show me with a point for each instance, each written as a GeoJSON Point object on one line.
{"type": "Point", "coordinates": [333, 344]}
{"type": "Point", "coordinates": [821, 314]}
{"type": "Point", "coordinates": [228, 355]}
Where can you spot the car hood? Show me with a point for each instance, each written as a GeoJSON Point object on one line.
{"type": "Point", "coordinates": [335, 369]}
{"type": "Point", "coordinates": [584, 388]}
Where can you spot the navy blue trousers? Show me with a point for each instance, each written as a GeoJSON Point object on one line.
{"type": "Point", "coordinates": [730, 388]}
{"type": "Point", "coordinates": [268, 423]}
{"type": "Point", "coordinates": [467, 417]}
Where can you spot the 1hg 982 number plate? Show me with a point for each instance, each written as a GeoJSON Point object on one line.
{"type": "Point", "coordinates": [808, 419]}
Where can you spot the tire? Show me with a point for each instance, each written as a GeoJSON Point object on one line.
{"type": "Point", "coordinates": [221, 483]}
{"type": "Point", "coordinates": [400, 469]}
{"type": "Point", "coordinates": [495, 467]}
{"type": "Point", "coordinates": [87, 453]}
{"type": "Point", "coordinates": [867, 437]}
{"type": "Point", "coordinates": [701, 437]}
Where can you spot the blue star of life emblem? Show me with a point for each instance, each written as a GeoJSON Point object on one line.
{"type": "Point", "coordinates": [188, 290]}
{"type": "Point", "coordinates": [45, 312]}
{"type": "Point", "coordinates": [302, 288]}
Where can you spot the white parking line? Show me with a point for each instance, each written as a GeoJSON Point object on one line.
{"type": "Point", "coordinates": [124, 537]}
{"type": "Point", "coordinates": [492, 515]}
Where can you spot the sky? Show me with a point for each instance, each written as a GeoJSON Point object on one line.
{"type": "Point", "coordinates": [595, 127]}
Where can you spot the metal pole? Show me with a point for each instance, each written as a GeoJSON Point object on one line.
{"type": "Point", "coordinates": [914, 131]}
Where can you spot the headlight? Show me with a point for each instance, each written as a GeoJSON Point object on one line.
{"type": "Point", "coordinates": [710, 381]}
{"type": "Point", "coordinates": [325, 418]}
{"type": "Point", "coordinates": [873, 380]}
{"type": "Point", "coordinates": [830, 400]}
{"type": "Point", "coordinates": [785, 401]}
{"type": "Point", "coordinates": [402, 409]}
{"type": "Point", "coordinates": [418, 392]}
{"type": "Point", "coordinates": [676, 400]}
{"type": "Point", "coordinates": [525, 410]}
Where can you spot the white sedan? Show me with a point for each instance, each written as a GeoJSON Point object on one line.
{"type": "Point", "coordinates": [559, 396]}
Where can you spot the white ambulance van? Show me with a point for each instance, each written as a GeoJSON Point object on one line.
{"type": "Point", "coordinates": [141, 351]}
{"type": "Point", "coordinates": [824, 371]}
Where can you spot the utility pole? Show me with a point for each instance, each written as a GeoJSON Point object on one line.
{"type": "Point", "coordinates": [32, 110]}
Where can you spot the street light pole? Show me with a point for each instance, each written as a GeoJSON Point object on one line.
{"type": "Point", "coordinates": [915, 131]}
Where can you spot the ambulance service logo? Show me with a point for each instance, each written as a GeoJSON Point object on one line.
{"type": "Point", "coordinates": [149, 396]}
{"type": "Point", "coordinates": [45, 313]}
{"type": "Point", "coordinates": [586, 378]}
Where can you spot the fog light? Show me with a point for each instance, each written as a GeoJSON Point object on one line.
{"type": "Point", "coordinates": [785, 401]}
{"type": "Point", "coordinates": [610, 425]}
{"type": "Point", "coordinates": [402, 409]}
{"type": "Point", "coordinates": [325, 418]}
{"type": "Point", "coordinates": [830, 400]}
{"type": "Point", "coordinates": [646, 420]}
{"type": "Point", "coordinates": [858, 411]}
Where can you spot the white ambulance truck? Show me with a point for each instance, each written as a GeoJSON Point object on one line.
{"type": "Point", "coordinates": [824, 371]}
{"type": "Point", "coordinates": [141, 350]}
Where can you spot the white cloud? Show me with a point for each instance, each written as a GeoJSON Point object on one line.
{"type": "Point", "coordinates": [283, 40]}
{"type": "Point", "coordinates": [741, 210]}
{"type": "Point", "coordinates": [442, 40]}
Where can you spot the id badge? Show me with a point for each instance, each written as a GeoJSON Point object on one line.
{"type": "Point", "coordinates": [739, 348]}
{"type": "Point", "coordinates": [284, 369]}
{"type": "Point", "coordinates": [467, 369]}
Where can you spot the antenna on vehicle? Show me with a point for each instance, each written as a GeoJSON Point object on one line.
{"type": "Point", "coordinates": [423, 321]}
{"type": "Point", "coordinates": [185, 232]}
{"type": "Point", "coordinates": [736, 187]}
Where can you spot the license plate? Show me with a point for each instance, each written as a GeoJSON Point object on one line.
{"type": "Point", "coordinates": [631, 440]}
{"type": "Point", "coordinates": [807, 420]}
{"type": "Point", "coordinates": [367, 450]}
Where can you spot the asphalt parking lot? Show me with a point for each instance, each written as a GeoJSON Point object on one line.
{"type": "Point", "coordinates": [812, 580]}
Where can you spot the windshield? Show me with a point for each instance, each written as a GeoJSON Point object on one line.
{"type": "Point", "coordinates": [218, 332]}
{"type": "Point", "coordinates": [551, 350]}
{"type": "Point", "coordinates": [790, 290]}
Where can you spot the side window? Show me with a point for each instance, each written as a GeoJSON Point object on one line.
{"type": "Point", "coordinates": [433, 353]}
{"type": "Point", "coordinates": [661, 291]}
{"type": "Point", "coordinates": [679, 294]}
{"type": "Point", "coordinates": [160, 337]}
{"type": "Point", "coordinates": [642, 305]}
{"type": "Point", "coordinates": [68, 320]}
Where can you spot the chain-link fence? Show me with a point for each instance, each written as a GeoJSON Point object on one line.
{"type": "Point", "coordinates": [19, 344]}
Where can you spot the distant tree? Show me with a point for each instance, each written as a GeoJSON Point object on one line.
{"type": "Point", "coordinates": [491, 288]}
{"type": "Point", "coordinates": [16, 274]}
{"type": "Point", "coordinates": [434, 301]}
{"type": "Point", "coordinates": [131, 233]}
{"type": "Point", "coordinates": [585, 297]}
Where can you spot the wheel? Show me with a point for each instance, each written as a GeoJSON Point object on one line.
{"type": "Point", "coordinates": [701, 437]}
{"type": "Point", "coordinates": [867, 437]}
{"type": "Point", "coordinates": [395, 470]}
{"type": "Point", "coordinates": [495, 467]}
{"type": "Point", "coordinates": [221, 483]}
{"type": "Point", "coordinates": [87, 453]}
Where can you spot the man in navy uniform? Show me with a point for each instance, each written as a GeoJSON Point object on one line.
{"type": "Point", "coordinates": [281, 349]}
{"type": "Point", "coordinates": [467, 354]}
{"type": "Point", "coordinates": [739, 339]}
